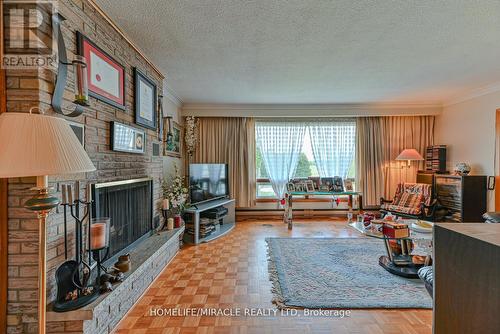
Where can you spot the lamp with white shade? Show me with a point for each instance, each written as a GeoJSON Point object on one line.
{"type": "Point", "coordinates": [409, 154]}
{"type": "Point", "coordinates": [40, 145]}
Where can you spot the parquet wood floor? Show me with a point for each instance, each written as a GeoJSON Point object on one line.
{"type": "Point", "coordinates": [231, 272]}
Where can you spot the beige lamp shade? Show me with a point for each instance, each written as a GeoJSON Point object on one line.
{"type": "Point", "coordinates": [36, 145]}
{"type": "Point", "coordinates": [410, 154]}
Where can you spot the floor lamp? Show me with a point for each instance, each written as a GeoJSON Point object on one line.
{"type": "Point", "coordinates": [39, 145]}
{"type": "Point", "coordinates": [408, 155]}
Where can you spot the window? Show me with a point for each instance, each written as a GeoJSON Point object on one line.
{"type": "Point", "coordinates": [326, 147]}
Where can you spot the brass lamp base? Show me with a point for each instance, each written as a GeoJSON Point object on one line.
{"type": "Point", "coordinates": [42, 203]}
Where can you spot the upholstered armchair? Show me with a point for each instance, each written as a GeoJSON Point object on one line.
{"type": "Point", "coordinates": [412, 200]}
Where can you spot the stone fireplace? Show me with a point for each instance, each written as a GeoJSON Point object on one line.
{"type": "Point", "coordinates": [129, 204]}
{"type": "Point", "coordinates": [150, 252]}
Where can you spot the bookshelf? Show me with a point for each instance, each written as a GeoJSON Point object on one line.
{"type": "Point", "coordinates": [435, 158]}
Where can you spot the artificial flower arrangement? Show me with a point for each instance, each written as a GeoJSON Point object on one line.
{"type": "Point", "coordinates": [191, 135]}
{"type": "Point", "coordinates": [176, 192]}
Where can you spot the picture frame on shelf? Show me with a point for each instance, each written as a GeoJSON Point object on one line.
{"type": "Point", "coordinates": [316, 181]}
{"type": "Point", "coordinates": [324, 188]}
{"type": "Point", "coordinates": [105, 75]}
{"type": "Point", "coordinates": [145, 106]}
{"type": "Point", "coordinates": [290, 187]}
{"type": "Point", "coordinates": [173, 144]}
{"type": "Point", "coordinates": [338, 184]}
{"type": "Point", "coordinates": [309, 186]}
{"type": "Point", "coordinates": [125, 138]}
{"type": "Point", "coordinates": [300, 187]}
{"type": "Point", "coordinates": [349, 184]}
{"type": "Point", "coordinates": [326, 183]}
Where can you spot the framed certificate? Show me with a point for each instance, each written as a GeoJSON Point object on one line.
{"type": "Point", "coordinates": [145, 100]}
{"type": "Point", "coordinates": [105, 76]}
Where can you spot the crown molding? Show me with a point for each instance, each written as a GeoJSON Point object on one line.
{"type": "Point", "coordinates": [310, 110]}
{"type": "Point", "coordinates": [172, 96]}
{"type": "Point", "coordinates": [469, 95]}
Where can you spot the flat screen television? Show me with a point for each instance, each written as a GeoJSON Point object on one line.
{"type": "Point", "coordinates": [208, 182]}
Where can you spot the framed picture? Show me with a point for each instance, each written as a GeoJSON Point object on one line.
{"type": "Point", "coordinates": [338, 184]}
{"type": "Point", "coordinates": [316, 181]}
{"type": "Point", "coordinates": [349, 184]}
{"type": "Point", "coordinates": [290, 187]}
{"type": "Point", "coordinates": [79, 130]}
{"type": "Point", "coordinates": [309, 186]}
{"type": "Point", "coordinates": [128, 139]}
{"type": "Point", "coordinates": [324, 188]}
{"type": "Point", "coordinates": [173, 146]}
{"type": "Point", "coordinates": [326, 183]}
{"type": "Point", "coordinates": [105, 76]}
{"type": "Point", "coordinates": [145, 100]}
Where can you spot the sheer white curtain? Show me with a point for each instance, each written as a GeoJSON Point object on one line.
{"type": "Point", "coordinates": [333, 144]}
{"type": "Point", "coordinates": [280, 143]}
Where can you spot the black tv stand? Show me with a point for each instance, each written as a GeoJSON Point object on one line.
{"type": "Point", "coordinates": [229, 220]}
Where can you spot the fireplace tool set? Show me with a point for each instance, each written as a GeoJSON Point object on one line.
{"type": "Point", "coordinates": [76, 284]}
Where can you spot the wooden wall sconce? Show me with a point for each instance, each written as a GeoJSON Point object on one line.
{"type": "Point", "coordinates": [80, 74]}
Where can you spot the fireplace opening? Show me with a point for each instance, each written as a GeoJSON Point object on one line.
{"type": "Point", "coordinates": [129, 204]}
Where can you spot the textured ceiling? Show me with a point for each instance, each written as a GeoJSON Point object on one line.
{"type": "Point", "coordinates": [298, 51]}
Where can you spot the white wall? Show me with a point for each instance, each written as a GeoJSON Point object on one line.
{"type": "Point", "coordinates": [468, 128]}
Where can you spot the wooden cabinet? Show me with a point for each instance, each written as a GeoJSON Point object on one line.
{"type": "Point", "coordinates": [464, 196]}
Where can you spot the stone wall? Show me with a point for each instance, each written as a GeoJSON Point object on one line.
{"type": "Point", "coordinates": [28, 88]}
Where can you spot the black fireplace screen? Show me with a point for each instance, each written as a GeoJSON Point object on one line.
{"type": "Point", "coordinates": [129, 204]}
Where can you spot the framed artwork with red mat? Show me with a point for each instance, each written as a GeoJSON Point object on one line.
{"type": "Point", "coordinates": [105, 76]}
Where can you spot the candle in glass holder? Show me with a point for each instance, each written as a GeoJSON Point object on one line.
{"type": "Point", "coordinates": [166, 204]}
{"type": "Point", "coordinates": [97, 235]}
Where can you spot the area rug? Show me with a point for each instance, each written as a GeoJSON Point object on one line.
{"type": "Point", "coordinates": [338, 273]}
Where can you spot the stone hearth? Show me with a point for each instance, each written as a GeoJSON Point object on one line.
{"type": "Point", "coordinates": [149, 258]}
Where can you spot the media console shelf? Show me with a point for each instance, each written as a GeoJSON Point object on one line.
{"type": "Point", "coordinates": [227, 224]}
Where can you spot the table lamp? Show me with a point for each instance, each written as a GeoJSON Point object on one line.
{"type": "Point", "coordinates": [39, 145]}
{"type": "Point", "coordinates": [409, 154]}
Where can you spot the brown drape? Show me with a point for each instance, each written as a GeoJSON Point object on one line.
{"type": "Point", "coordinates": [379, 141]}
{"type": "Point", "coordinates": [370, 159]}
{"type": "Point", "coordinates": [405, 132]}
{"type": "Point", "coordinates": [230, 140]}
